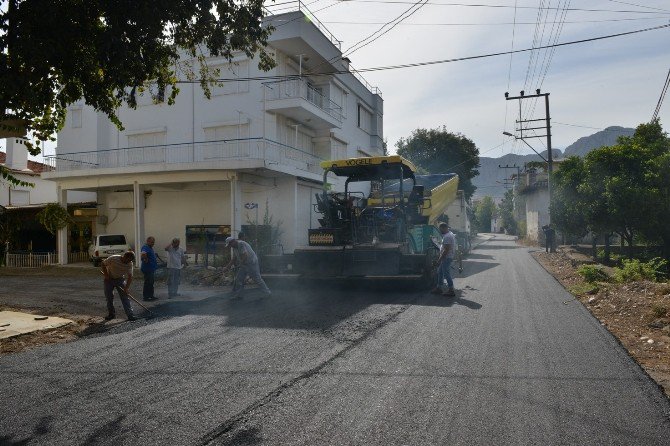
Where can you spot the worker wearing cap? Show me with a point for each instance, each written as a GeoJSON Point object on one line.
{"type": "Point", "coordinates": [118, 272]}
{"type": "Point", "coordinates": [248, 265]}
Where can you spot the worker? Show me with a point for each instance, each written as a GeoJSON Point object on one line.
{"type": "Point", "coordinates": [443, 263]}
{"type": "Point", "coordinates": [118, 272]}
{"type": "Point", "coordinates": [248, 264]}
{"type": "Point", "coordinates": [148, 267]}
{"type": "Point", "coordinates": [176, 260]}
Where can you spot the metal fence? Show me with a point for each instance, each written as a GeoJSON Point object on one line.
{"type": "Point", "coordinates": [186, 153]}
{"type": "Point", "coordinates": [30, 260]}
{"type": "Point", "coordinates": [77, 257]}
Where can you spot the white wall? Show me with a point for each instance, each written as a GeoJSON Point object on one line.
{"type": "Point", "coordinates": [537, 213]}
{"type": "Point", "coordinates": [43, 192]}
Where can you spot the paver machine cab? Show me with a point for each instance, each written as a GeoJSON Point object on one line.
{"type": "Point", "coordinates": [386, 233]}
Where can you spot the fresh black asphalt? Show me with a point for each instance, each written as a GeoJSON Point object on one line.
{"type": "Point", "coordinates": [505, 363]}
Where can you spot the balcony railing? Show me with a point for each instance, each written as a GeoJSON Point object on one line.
{"type": "Point", "coordinates": [300, 88]}
{"type": "Point", "coordinates": [184, 153]}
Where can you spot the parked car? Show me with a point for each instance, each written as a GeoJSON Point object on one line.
{"type": "Point", "coordinates": [106, 245]}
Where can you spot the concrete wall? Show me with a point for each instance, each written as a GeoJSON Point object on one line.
{"type": "Point", "coordinates": [537, 213]}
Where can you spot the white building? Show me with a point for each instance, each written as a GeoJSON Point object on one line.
{"type": "Point", "coordinates": [26, 201]}
{"type": "Point", "coordinates": [199, 161]}
{"type": "Point", "coordinates": [533, 187]}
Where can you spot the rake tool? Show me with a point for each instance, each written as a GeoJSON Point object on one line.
{"type": "Point", "coordinates": [120, 290]}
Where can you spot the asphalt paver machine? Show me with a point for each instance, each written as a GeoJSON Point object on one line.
{"type": "Point", "coordinates": [382, 226]}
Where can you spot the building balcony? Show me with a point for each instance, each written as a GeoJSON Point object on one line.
{"type": "Point", "coordinates": [236, 154]}
{"type": "Point", "coordinates": [302, 102]}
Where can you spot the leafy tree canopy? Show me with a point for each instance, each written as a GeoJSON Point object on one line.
{"type": "Point", "coordinates": [441, 151]}
{"type": "Point", "coordinates": [52, 53]}
{"type": "Point", "coordinates": [485, 209]}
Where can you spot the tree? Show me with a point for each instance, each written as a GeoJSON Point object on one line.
{"type": "Point", "coordinates": [569, 203]}
{"type": "Point", "coordinates": [107, 51]}
{"type": "Point", "coordinates": [484, 212]}
{"type": "Point", "coordinates": [440, 151]}
{"type": "Point", "coordinates": [506, 212]}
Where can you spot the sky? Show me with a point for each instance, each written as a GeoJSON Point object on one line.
{"type": "Point", "coordinates": [615, 81]}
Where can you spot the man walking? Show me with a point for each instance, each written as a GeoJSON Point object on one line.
{"type": "Point", "coordinates": [248, 265]}
{"type": "Point", "coordinates": [176, 259]}
{"type": "Point", "coordinates": [148, 268]}
{"type": "Point", "coordinates": [447, 251]}
{"type": "Point", "coordinates": [118, 272]}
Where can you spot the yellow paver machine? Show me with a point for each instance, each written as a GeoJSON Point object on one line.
{"type": "Point", "coordinates": [382, 226]}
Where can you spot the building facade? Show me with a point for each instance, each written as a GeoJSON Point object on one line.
{"type": "Point", "coordinates": [257, 142]}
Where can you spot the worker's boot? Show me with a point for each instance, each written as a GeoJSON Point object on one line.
{"type": "Point", "coordinates": [110, 316]}
{"type": "Point", "coordinates": [450, 292]}
{"type": "Point", "coordinates": [436, 290]}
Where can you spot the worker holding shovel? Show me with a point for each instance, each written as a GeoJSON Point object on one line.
{"type": "Point", "coordinates": [118, 272]}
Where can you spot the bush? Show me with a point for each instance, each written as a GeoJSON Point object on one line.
{"type": "Point", "coordinates": [581, 289]}
{"type": "Point", "coordinates": [592, 273]}
{"type": "Point", "coordinates": [659, 310]}
{"type": "Point", "coordinates": [632, 270]}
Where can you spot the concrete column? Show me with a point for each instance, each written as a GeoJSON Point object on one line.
{"type": "Point", "coordinates": [138, 214]}
{"type": "Point", "coordinates": [61, 235]}
{"type": "Point", "coordinates": [235, 206]}
{"type": "Point", "coordinates": [296, 216]}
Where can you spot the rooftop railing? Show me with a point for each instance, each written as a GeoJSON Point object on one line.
{"type": "Point", "coordinates": [184, 153]}
{"type": "Point", "coordinates": [298, 5]}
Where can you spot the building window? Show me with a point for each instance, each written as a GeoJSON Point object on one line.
{"type": "Point", "coordinates": [364, 119]}
{"type": "Point", "coordinates": [19, 197]}
{"type": "Point", "coordinates": [146, 148]}
{"type": "Point", "coordinates": [75, 118]}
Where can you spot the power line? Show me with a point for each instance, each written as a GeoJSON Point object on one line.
{"type": "Point", "coordinates": [639, 6]}
{"type": "Point", "coordinates": [495, 6]}
{"type": "Point", "coordinates": [660, 100]}
{"type": "Point", "coordinates": [433, 62]}
{"type": "Point", "coordinates": [631, 19]}
{"type": "Point", "coordinates": [392, 24]}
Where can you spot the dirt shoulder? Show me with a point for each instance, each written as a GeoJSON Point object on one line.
{"type": "Point", "coordinates": [636, 313]}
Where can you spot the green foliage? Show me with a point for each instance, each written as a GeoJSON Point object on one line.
{"type": "Point", "coordinates": [484, 211]}
{"type": "Point", "coordinates": [633, 270]}
{"type": "Point", "coordinates": [615, 258]}
{"type": "Point", "coordinates": [584, 288]}
{"type": "Point", "coordinates": [623, 189]}
{"type": "Point", "coordinates": [53, 53]}
{"type": "Point", "coordinates": [54, 217]}
{"type": "Point", "coordinates": [268, 231]}
{"type": "Point", "coordinates": [441, 151]}
{"type": "Point", "coordinates": [659, 310]}
{"type": "Point", "coordinates": [592, 273]}
{"type": "Point", "coordinates": [506, 212]}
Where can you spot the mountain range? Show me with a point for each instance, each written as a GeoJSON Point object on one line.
{"type": "Point", "coordinates": [491, 178]}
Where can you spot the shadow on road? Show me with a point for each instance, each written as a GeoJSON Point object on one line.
{"type": "Point", "coordinates": [312, 308]}
{"type": "Point", "coordinates": [41, 428]}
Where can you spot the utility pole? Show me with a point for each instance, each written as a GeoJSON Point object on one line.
{"type": "Point", "coordinates": [546, 127]}
{"type": "Point", "coordinates": [507, 166]}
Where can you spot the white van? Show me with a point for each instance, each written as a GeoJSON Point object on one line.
{"type": "Point", "coordinates": [106, 245]}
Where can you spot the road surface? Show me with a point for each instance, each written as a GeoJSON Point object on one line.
{"type": "Point", "coordinates": [504, 363]}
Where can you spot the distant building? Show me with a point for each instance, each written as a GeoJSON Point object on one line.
{"type": "Point", "coordinates": [27, 201]}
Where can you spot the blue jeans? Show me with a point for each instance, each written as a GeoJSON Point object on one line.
{"type": "Point", "coordinates": [173, 279]}
{"type": "Point", "coordinates": [148, 288]}
{"type": "Point", "coordinates": [109, 294]}
{"type": "Point", "coordinates": [444, 272]}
